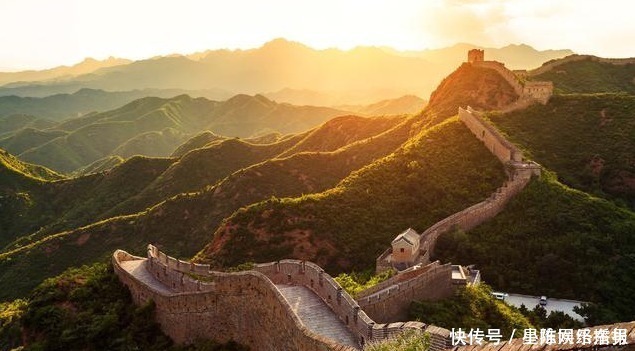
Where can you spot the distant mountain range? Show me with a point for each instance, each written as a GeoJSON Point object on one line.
{"type": "Point", "coordinates": [363, 75]}
{"type": "Point", "coordinates": [87, 66]}
{"type": "Point", "coordinates": [62, 106]}
{"type": "Point", "coordinates": [154, 126]}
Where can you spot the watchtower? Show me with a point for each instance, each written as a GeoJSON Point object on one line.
{"type": "Point", "coordinates": [475, 55]}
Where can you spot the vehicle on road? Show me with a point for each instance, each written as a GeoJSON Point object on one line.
{"type": "Point", "coordinates": [500, 295]}
{"type": "Point", "coordinates": [543, 301]}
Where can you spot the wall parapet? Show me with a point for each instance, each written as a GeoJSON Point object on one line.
{"type": "Point", "coordinates": [193, 287]}
{"type": "Point", "coordinates": [231, 306]}
{"type": "Point", "coordinates": [528, 92]}
{"type": "Point", "coordinates": [507, 153]}
{"type": "Point", "coordinates": [508, 75]}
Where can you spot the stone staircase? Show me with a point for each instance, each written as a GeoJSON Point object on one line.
{"type": "Point", "coordinates": [316, 315]}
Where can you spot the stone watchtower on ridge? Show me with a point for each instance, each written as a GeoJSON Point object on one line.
{"type": "Point", "coordinates": [475, 55]}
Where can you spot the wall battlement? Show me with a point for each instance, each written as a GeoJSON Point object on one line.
{"type": "Point", "coordinates": [391, 299]}
{"type": "Point", "coordinates": [528, 91]}
{"type": "Point", "coordinates": [519, 176]}
{"type": "Point", "coordinates": [194, 302]}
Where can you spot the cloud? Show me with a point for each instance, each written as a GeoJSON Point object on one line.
{"type": "Point", "coordinates": [481, 22]}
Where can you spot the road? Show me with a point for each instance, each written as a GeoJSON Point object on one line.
{"type": "Point", "coordinates": [530, 302]}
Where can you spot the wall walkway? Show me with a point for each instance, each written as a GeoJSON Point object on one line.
{"type": "Point", "coordinates": [285, 305]}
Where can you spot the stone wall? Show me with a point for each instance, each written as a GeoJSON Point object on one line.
{"type": "Point", "coordinates": [349, 311]}
{"type": "Point", "coordinates": [400, 277]}
{"type": "Point", "coordinates": [538, 91]}
{"type": "Point", "coordinates": [205, 304]}
{"type": "Point", "coordinates": [506, 152]}
{"type": "Point", "coordinates": [528, 92]}
{"type": "Point", "coordinates": [391, 300]}
{"type": "Point", "coordinates": [238, 306]}
{"type": "Point", "coordinates": [493, 140]}
{"type": "Point", "coordinates": [509, 76]}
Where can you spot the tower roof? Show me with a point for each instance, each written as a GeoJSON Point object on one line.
{"type": "Point", "coordinates": [409, 235]}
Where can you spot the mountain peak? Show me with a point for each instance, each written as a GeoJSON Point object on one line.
{"type": "Point", "coordinates": [283, 44]}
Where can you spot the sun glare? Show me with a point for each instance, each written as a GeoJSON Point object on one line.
{"type": "Point", "coordinates": [144, 28]}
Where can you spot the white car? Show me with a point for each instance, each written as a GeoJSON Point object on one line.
{"type": "Point", "coordinates": [500, 295]}
{"type": "Point", "coordinates": [543, 301]}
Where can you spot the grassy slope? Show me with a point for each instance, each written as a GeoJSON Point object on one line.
{"type": "Point", "coordinates": [196, 142]}
{"type": "Point", "coordinates": [471, 307]}
{"type": "Point", "coordinates": [341, 131]}
{"type": "Point", "coordinates": [61, 205]}
{"type": "Point", "coordinates": [591, 77]}
{"type": "Point", "coordinates": [481, 88]}
{"type": "Point", "coordinates": [86, 309]}
{"type": "Point", "coordinates": [100, 165]}
{"type": "Point", "coordinates": [184, 223]}
{"type": "Point", "coordinates": [153, 144]}
{"type": "Point", "coordinates": [587, 139]}
{"type": "Point", "coordinates": [201, 167]}
{"type": "Point", "coordinates": [205, 166]}
{"type": "Point", "coordinates": [24, 139]}
{"type": "Point", "coordinates": [553, 240]}
{"type": "Point", "coordinates": [13, 123]}
{"type": "Point", "coordinates": [348, 226]}
{"type": "Point", "coordinates": [14, 172]}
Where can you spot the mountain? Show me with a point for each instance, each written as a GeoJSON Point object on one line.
{"type": "Point", "coordinates": [39, 206]}
{"type": "Point", "coordinates": [402, 105]}
{"type": "Point", "coordinates": [89, 65]}
{"type": "Point", "coordinates": [184, 222]}
{"type": "Point", "coordinates": [12, 123]}
{"type": "Point", "coordinates": [403, 188]}
{"type": "Point", "coordinates": [101, 165]}
{"type": "Point", "coordinates": [589, 74]}
{"type": "Point", "coordinates": [196, 142]}
{"type": "Point", "coordinates": [62, 106]}
{"type": "Point", "coordinates": [479, 87]}
{"type": "Point", "coordinates": [587, 139]}
{"type": "Point", "coordinates": [153, 144]}
{"type": "Point", "coordinates": [27, 138]}
{"type": "Point", "coordinates": [18, 175]}
{"type": "Point", "coordinates": [156, 127]}
{"type": "Point", "coordinates": [374, 73]}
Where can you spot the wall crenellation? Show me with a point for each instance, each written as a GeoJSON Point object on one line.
{"type": "Point", "coordinates": [391, 299]}
{"type": "Point", "coordinates": [528, 91]}
{"type": "Point", "coordinates": [507, 153]}
{"type": "Point", "coordinates": [233, 306]}
{"type": "Point", "coordinates": [234, 298]}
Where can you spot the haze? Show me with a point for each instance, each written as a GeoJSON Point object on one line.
{"type": "Point", "coordinates": [39, 33]}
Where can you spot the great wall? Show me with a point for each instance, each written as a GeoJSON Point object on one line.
{"type": "Point", "coordinates": [295, 305]}
{"type": "Point", "coordinates": [285, 305]}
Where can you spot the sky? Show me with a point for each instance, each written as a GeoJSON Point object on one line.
{"type": "Point", "coordinates": [36, 34]}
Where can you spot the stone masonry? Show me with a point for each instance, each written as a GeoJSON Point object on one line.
{"type": "Point", "coordinates": [261, 308]}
